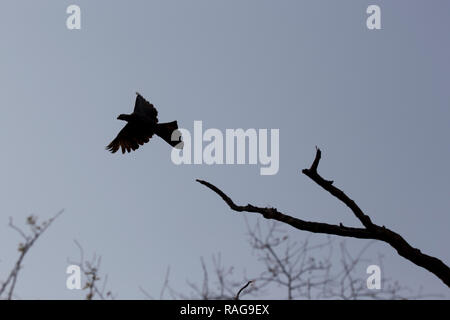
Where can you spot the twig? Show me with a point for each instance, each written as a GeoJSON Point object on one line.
{"type": "Point", "coordinates": [239, 292]}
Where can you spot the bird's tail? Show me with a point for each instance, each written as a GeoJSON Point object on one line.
{"type": "Point", "coordinates": [168, 130]}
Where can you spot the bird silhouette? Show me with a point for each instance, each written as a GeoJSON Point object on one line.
{"type": "Point", "coordinates": [141, 125]}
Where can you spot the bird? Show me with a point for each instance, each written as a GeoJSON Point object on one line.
{"type": "Point", "coordinates": [141, 125]}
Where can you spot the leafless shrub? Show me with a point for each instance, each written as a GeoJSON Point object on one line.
{"type": "Point", "coordinates": [293, 270]}
{"type": "Point", "coordinates": [91, 271]}
{"type": "Point", "coordinates": [29, 239]}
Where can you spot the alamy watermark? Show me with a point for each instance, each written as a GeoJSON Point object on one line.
{"type": "Point", "coordinates": [236, 146]}
{"type": "Point", "coordinates": [374, 280]}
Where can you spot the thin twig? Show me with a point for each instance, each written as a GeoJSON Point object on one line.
{"type": "Point", "coordinates": [370, 230]}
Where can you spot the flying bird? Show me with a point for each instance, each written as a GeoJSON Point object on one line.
{"type": "Point", "coordinates": [141, 125]}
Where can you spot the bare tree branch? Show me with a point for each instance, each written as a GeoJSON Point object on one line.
{"type": "Point", "coordinates": [91, 270]}
{"type": "Point", "coordinates": [301, 270]}
{"type": "Point", "coordinates": [36, 231]}
{"type": "Point", "coordinates": [370, 230]}
{"type": "Point", "coordinates": [273, 213]}
{"type": "Point", "coordinates": [166, 283]}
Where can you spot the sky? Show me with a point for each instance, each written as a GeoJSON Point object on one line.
{"type": "Point", "coordinates": [375, 101]}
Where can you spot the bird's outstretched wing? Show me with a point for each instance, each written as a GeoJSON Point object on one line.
{"type": "Point", "coordinates": [129, 138]}
{"type": "Point", "coordinates": [142, 106]}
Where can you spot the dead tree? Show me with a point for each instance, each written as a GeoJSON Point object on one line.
{"type": "Point", "coordinates": [370, 230]}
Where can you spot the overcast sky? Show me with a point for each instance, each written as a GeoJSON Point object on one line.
{"type": "Point", "coordinates": [375, 101]}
